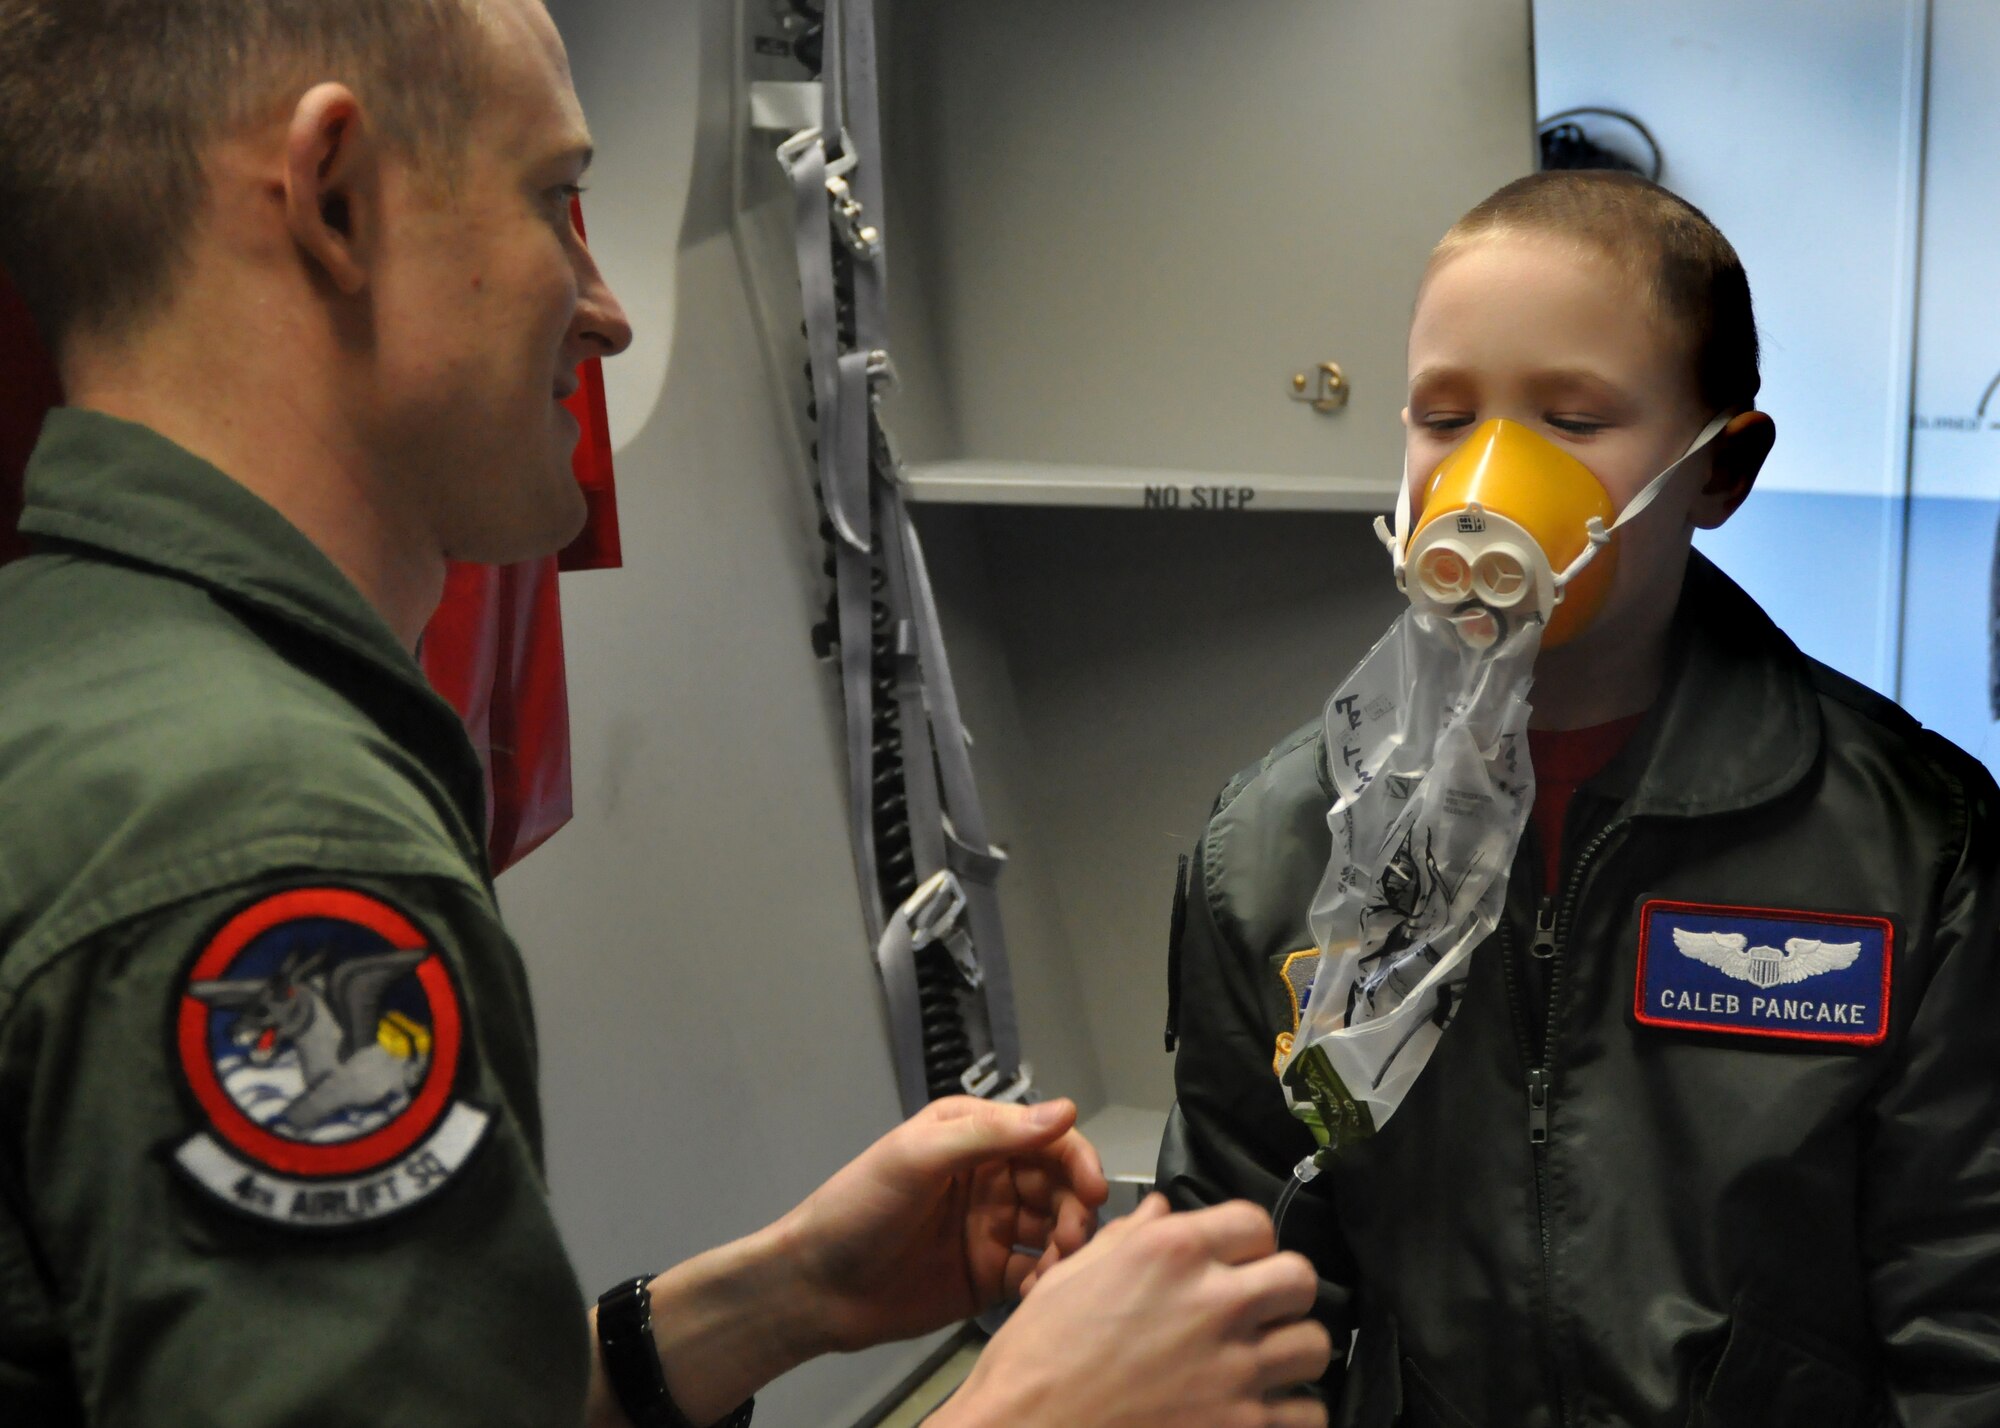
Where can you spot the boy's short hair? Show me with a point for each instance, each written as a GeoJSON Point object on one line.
{"type": "Point", "coordinates": [1686, 267]}
{"type": "Point", "coordinates": [108, 109]}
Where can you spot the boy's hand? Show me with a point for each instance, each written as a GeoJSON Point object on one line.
{"type": "Point", "coordinates": [944, 1217]}
{"type": "Point", "coordinates": [1164, 1320]}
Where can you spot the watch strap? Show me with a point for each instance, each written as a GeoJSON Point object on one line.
{"type": "Point", "coordinates": [632, 1360]}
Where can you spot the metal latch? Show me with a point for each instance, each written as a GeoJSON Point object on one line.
{"type": "Point", "coordinates": [1331, 393]}
{"type": "Point", "coordinates": [865, 239]}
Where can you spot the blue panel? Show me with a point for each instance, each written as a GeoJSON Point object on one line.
{"type": "Point", "coordinates": [1825, 568]}
{"type": "Point", "coordinates": [1947, 633]}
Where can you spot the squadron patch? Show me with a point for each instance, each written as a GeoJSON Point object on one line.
{"type": "Point", "coordinates": [1296, 972]}
{"type": "Point", "coordinates": [320, 1036]}
{"type": "Point", "coordinates": [1801, 976]}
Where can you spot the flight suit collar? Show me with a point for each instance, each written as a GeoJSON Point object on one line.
{"type": "Point", "coordinates": [123, 490]}
{"type": "Point", "coordinates": [1737, 723]}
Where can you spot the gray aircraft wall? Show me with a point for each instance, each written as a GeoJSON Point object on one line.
{"type": "Point", "coordinates": [711, 1043]}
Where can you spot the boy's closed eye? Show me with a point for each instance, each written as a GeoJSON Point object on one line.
{"type": "Point", "coordinates": [1446, 421]}
{"type": "Point", "coordinates": [1441, 423]}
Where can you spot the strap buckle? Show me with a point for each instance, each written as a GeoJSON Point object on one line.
{"type": "Point", "coordinates": [937, 914]}
{"type": "Point", "coordinates": [864, 239]}
{"type": "Point", "coordinates": [982, 1079]}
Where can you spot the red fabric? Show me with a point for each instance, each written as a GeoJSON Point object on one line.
{"type": "Point", "coordinates": [495, 650]}
{"type": "Point", "coordinates": [28, 388]}
{"type": "Point", "coordinates": [598, 547]}
{"type": "Point", "coordinates": [1565, 760]}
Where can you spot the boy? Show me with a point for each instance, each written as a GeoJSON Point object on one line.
{"type": "Point", "coordinates": [1659, 1171]}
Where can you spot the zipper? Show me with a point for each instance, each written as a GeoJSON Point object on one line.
{"type": "Point", "coordinates": [1544, 945]}
{"type": "Point", "coordinates": [1552, 927]}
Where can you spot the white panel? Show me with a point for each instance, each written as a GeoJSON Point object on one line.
{"type": "Point", "coordinates": [1791, 124]}
{"type": "Point", "coordinates": [1951, 651]}
{"type": "Point", "coordinates": [1957, 446]}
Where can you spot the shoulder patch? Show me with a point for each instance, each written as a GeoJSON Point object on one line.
{"type": "Point", "coordinates": [1296, 971]}
{"type": "Point", "coordinates": [1766, 972]}
{"type": "Point", "coordinates": [320, 1035]}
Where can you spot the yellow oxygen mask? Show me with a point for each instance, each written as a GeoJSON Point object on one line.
{"type": "Point", "coordinates": [1514, 528]}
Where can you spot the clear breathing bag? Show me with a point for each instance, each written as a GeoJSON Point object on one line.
{"type": "Point", "coordinates": [1427, 747]}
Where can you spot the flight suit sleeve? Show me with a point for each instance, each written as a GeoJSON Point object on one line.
{"type": "Point", "coordinates": [1230, 1135]}
{"type": "Point", "coordinates": [1931, 1161]}
{"type": "Point", "coordinates": [276, 1151]}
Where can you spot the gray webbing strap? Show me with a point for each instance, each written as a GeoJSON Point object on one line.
{"type": "Point", "coordinates": [947, 824]}
{"type": "Point", "coordinates": [804, 158]}
{"type": "Point", "coordinates": [896, 961]}
{"type": "Point", "coordinates": [843, 484]}
{"type": "Point", "coordinates": [969, 852]}
{"type": "Point", "coordinates": [920, 784]}
{"type": "Point", "coordinates": [833, 76]}
{"type": "Point", "coordinates": [857, 678]}
{"type": "Point", "coordinates": [862, 117]}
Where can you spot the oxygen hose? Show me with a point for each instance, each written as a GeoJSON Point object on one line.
{"type": "Point", "coordinates": [947, 1041]}
{"type": "Point", "coordinates": [1302, 1175]}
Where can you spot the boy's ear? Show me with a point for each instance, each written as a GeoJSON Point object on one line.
{"type": "Point", "coordinates": [1740, 449]}
{"type": "Point", "coordinates": [331, 184]}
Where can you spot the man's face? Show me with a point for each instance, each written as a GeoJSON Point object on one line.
{"type": "Point", "coordinates": [1557, 338]}
{"type": "Point", "coordinates": [486, 301]}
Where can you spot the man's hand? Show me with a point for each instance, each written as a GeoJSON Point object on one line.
{"type": "Point", "coordinates": [1164, 1320]}
{"type": "Point", "coordinates": [945, 1216]}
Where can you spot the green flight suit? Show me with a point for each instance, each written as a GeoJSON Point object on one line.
{"type": "Point", "coordinates": [203, 725]}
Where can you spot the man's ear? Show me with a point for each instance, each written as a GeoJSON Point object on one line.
{"type": "Point", "coordinates": [331, 184]}
{"type": "Point", "coordinates": [1740, 449]}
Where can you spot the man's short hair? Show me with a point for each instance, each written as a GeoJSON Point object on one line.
{"type": "Point", "coordinates": [109, 107]}
{"type": "Point", "coordinates": [1680, 260]}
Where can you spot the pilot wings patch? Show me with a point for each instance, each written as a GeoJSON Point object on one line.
{"type": "Point", "coordinates": [1803, 957]}
{"type": "Point", "coordinates": [319, 1035]}
{"type": "Point", "coordinates": [1764, 972]}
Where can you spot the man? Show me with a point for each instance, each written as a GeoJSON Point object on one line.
{"type": "Point", "coordinates": [269, 1135]}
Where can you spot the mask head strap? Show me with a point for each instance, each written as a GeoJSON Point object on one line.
{"type": "Point", "coordinates": [1659, 483]}
{"type": "Point", "coordinates": [1398, 540]}
{"type": "Point", "coordinates": [1600, 533]}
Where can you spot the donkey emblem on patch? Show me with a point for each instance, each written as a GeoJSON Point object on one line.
{"type": "Point", "coordinates": [331, 1017]}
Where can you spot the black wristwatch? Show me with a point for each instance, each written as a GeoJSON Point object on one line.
{"type": "Point", "coordinates": [632, 1360]}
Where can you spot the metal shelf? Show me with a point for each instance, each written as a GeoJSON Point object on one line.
{"type": "Point", "coordinates": [1128, 1142]}
{"type": "Point", "coordinates": [1034, 483]}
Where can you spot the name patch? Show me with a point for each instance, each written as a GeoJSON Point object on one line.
{"type": "Point", "coordinates": [1801, 976]}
